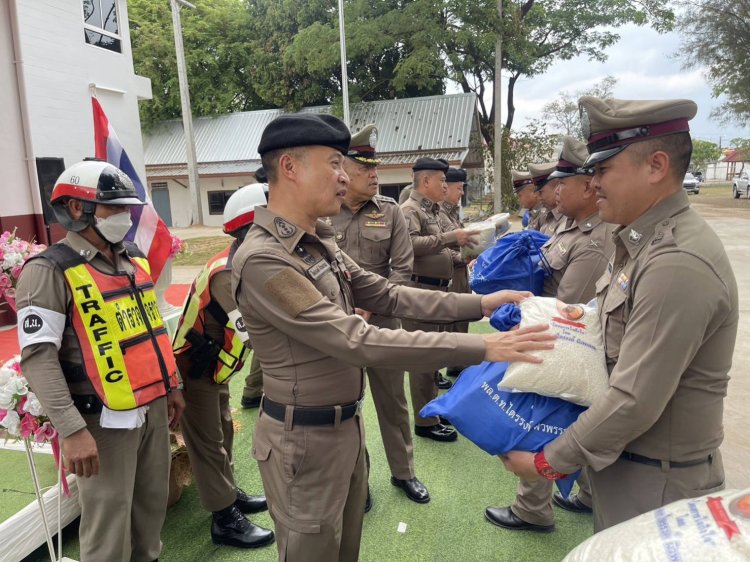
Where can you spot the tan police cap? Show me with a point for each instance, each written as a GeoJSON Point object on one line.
{"type": "Point", "coordinates": [362, 146]}
{"type": "Point", "coordinates": [520, 180]}
{"type": "Point", "coordinates": [572, 157]}
{"type": "Point", "coordinates": [610, 125]}
{"type": "Point", "coordinates": [540, 173]}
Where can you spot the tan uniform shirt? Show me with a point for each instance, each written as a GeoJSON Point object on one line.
{"type": "Point", "coordinates": [668, 306]}
{"type": "Point", "coordinates": [551, 221]}
{"type": "Point", "coordinates": [578, 255]}
{"type": "Point", "coordinates": [376, 237]}
{"type": "Point", "coordinates": [432, 254]}
{"type": "Point", "coordinates": [535, 217]}
{"type": "Point", "coordinates": [43, 285]}
{"type": "Point", "coordinates": [297, 291]}
{"type": "Point", "coordinates": [403, 197]}
{"type": "Point", "coordinates": [450, 220]}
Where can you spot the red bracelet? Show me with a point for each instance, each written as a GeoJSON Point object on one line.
{"type": "Point", "coordinates": [545, 469]}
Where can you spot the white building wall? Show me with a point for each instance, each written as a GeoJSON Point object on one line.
{"type": "Point", "coordinates": [179, 197]}
{"type": "Point", "coordinates": [59, 67]}
{"type": "Point", "coordinates": [12, 155]}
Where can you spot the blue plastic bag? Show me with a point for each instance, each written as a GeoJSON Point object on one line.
{"type": "Point", "coordinates": [498, 420]}
{"type": "Point", "coordinates": [506, 317]}
{"type": "Point", "coordinates": [515, 262]}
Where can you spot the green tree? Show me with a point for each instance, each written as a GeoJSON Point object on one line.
{"type": "Point", "coordinates": [218, 55]}
{"type": "Point", "coordinates": [704, 153]}
{"type": "Point", "coordinates": [714, 35]}
{"type": "Point", "coordinates": [562, 113]}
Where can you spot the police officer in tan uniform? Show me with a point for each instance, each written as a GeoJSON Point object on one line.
{"type": "Point", "coordinates": [577, 255]}
{"type": "Point", "coordinates": [371, 230]}
{"type": "Point", "coordinates": [523, 186]}
{"type": "Point", "coordinates": [253, 390]}
{"type": "Point", "coordinates": [668, 306]}
{"type": "Point", "coordinates": [297, 293]}
{"type": "Point", "coordinates": [210, 347]}
{"type": "Point", "coordinates": [450, 208]}
{"type": "Point", "coordinates": [545, 187]}
{"type": "Point", "coordinates": [433, 270]}
{"type": "Point", "coordinates": [119, 452]}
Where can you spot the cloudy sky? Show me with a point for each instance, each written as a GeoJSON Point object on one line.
{"type": "Point", "coordinates": [644, 64]}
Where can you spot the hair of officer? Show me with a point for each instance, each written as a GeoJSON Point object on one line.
{"type": "Point", "coordinates": [270, 160]}
{"type": "Point", "coordinates": [421, 175]}
{"type": "Point", "coordinates": [679, 148]}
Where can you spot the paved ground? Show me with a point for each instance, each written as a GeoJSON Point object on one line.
{"type": "Point", "coordinates": [731, 220]}
{"type": "Point", "coordinates": [733, 230]}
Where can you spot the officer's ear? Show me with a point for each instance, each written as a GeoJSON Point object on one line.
{"type": "Point", "coordinates": [659, 166]}
{"type": "Point", "coordinates": [74, 208]}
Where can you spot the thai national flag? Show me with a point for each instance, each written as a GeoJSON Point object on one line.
{"type": "Point", "coordinates": [149, 232]}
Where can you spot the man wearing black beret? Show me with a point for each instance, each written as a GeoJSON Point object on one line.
{"type": "Point", "coordinates": [297, 294]}
{"type": "Point", "coordinates": [450, 216]}
{"type": "Point", "coordinates": [433, 270]}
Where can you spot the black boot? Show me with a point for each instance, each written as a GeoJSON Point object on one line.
{"type": "Point", "coordinates": [250, 504]}
{"type": "Point", "coordinates": [230, 527]}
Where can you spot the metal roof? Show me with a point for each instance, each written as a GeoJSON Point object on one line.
{"type": "Point", "coordinates": [428, 124]}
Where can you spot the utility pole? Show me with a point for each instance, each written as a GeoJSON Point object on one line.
{"type": "Point", "coordinates": [187, 115]}
{"type": "Point", "coordinates": [344, 73]}
{"type": "Point", "coordinates": [497, 176]}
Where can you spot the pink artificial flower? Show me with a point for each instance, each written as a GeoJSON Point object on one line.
{"type": "Point", "coordinates": [21, 403]}
{"type": "Point", "coordinates": [3, 413]}
{"type": "Point", "coordinates": [15, 271]}
{"type": "Point", "coordinates": [45, 433]}
{"type": "Point", "coordinates": [29, 426]}
{"type": "Point", "coordinates": [4, 281]}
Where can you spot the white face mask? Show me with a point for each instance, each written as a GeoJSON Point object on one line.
{"type": "Point", "coordinates": [114, 227]}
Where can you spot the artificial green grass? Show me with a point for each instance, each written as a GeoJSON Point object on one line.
{"type": "Point", "coordinates": [462, 480]}
{"type": "Point", "coordinates": [17, 489]}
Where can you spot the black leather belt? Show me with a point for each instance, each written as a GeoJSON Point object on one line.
{"type": "Point", "coordinates": [87, 403]}
{"type": "Point", "coordinates": [431, 281]}
{"type": "Point", "coordinates": [308, 415]}
{"type": "Point", "coordinates": [632, 457]}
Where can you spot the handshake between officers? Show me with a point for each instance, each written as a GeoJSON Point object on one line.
{"type": "Point", "coordinates": [297, 293]}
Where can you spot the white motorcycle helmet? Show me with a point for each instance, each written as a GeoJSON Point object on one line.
{"type": "Point", "coordinates": [239, 211]}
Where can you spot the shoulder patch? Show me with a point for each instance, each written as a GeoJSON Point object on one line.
{"type": "Point", "coordinates": [386, 199]}
{"type": "Point", "coordinates": [292, 292]}
{"type": "Point", "coordinates": [283, 228]}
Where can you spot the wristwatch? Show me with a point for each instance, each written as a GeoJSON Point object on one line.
{"type": "Point", "coordinates": [545, 469]}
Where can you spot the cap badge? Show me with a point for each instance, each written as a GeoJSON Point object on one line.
{"type": "Point", "coordinates": [635, 236]}
{"type": "Point", "coordinates": [585, 122]}
{"type": "Point", "coordinates": [283, 228]}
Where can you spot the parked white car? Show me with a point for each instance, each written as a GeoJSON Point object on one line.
{"type": "Point", "coordinates": [741, 185]}
{"type": "Point", "coordinates": [691, 184]}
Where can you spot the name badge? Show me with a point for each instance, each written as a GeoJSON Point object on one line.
{"type": "Point", "coordinates": [318, 270]}
{"type": "Point", "coordinates": [377, 224]}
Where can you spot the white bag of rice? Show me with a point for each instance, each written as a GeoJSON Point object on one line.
{"type": "Point", "coordinates": [576, 369]}
{"type": "Point", "coordinates": [489, 230]}
{"type": "Point", "coordinates": [713, 528]}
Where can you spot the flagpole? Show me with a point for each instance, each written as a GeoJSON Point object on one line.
{"type": "Point", "coordinates": [187, 115]}
{"type": "Point", "coordinates": [344, 76]}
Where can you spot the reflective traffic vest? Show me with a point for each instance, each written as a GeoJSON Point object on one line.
{"type": "Point", "coordinates": [123, 340]}
{"type": "Point", "coordinates": [233, 351]}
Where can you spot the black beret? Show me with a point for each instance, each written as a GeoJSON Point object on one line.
{"type": "Point", "coordinates": [260, 175]}
{"type": "Point", "coordinates": [430, 164]}
{"type": "Point", "coordinates": [455, 175]}
{"type": "Point", "coordinates": [305, 129]}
